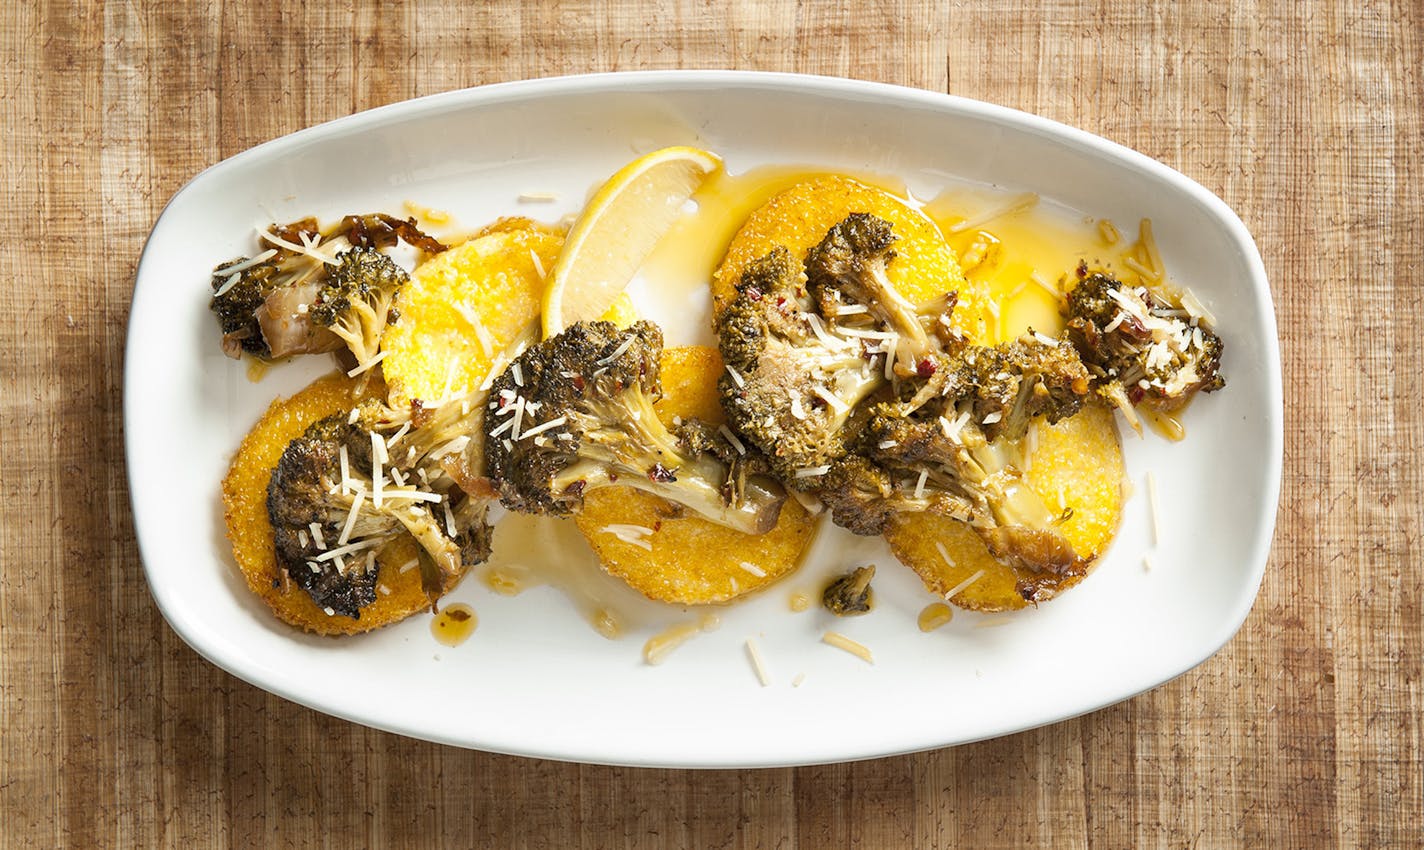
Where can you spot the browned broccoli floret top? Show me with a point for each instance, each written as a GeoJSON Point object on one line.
{"type": "Point", "coordinates": [575, 412]}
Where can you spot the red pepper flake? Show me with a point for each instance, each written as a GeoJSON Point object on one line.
{"type": "Point", "coordinates": [925, 368]}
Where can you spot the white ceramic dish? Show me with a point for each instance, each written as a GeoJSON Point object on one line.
{"type": "Point", "coordinates": [534, 680]}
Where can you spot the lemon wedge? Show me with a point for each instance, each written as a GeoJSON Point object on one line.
{"type": "Point", "coordinates": [616, 232]}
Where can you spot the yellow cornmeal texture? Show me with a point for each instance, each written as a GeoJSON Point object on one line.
{"type": "Point", "coordinates": [924, 266]}
{"type": "Point", "coordinates": [693, 561]}
{"type": "Point", "coordinates": [244, 493]}
{"type": "Point", "coordinates": [1080, 458]}
{"type": "Point", "coordinates": [493, 278]}
{"type": "Point", "coordinates": [621, 312]}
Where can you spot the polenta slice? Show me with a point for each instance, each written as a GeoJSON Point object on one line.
{"type": "Point", "coordinates": [924, 267]}
{"type": "Point", "coordinates": [686, 559]}
{"type": "Point", "coordinates": [464, 307]}
{"type": "Point", "coordinates": [244, 494]}
{"type": "Point", "coordinates": [1076, 468]}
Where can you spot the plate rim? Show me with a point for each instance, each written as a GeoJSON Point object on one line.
{"type": "Point", "coordinates": [189, 628]}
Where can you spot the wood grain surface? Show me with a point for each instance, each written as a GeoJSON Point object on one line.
{"type": "Point", "coordinates": [1305, 731]}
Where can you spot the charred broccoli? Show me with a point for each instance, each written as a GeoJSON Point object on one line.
{"type": "Point", "coordinates": [575, 412]}
{"type": "Point", "coordinates": [804, 351]}
{"type": "Point", "coordinates": [850, 595]}
{"type": "Point", "coordinates": [876, 406]}
{"type": "Point", "coordinates": [1140, 346]}
{"type": "Point", "coordinates": [950, 444]}
{"type": "Point", "coordinates": [848, 269]}
{"type": "Point", "coordinates": [353, 483]}
{"type": "Point", "coordinates": [357, 300]}
{"type": "Point", "coordinates": [311, 291]}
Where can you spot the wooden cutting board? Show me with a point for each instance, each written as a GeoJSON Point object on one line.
{"type": "Point", "coordinates": [1304, 731]}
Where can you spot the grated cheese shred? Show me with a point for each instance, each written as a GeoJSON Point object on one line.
{"type": "Point", "coordinates": [845, 644]}
{"type": "Point", "coordinates": [963, 585]}
{"type": "Point", "coordinates": [1152, 507]}
{"type": "Point", "coordinates": [757, 663]}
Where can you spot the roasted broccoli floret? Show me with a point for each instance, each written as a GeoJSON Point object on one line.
{"type": "Point", "coordinates": [850, 595]}
{"type": "Point", "coordinates": [1141, 347]}
{"type": "Point", "coordinates": [847, 269]}
{"type": "Point", "coordinates": [951, 445]}
{"type": "Point", "coordinates": [311, 291]}
{"type": "Point", "coordinates": [805, 349]}
{"type": "Point", "coordinates": [357, 299]}
{"type": "Point", "coordinates": [287, 278]}
{"type": "Point", "coordinates": [575, 412]}
{"type": "Point", "coordinates": [1010, 385]}
{"type": "Point", "coordinates": [355, 482]}
{"type": "Point", "coordinates": [793, 377]}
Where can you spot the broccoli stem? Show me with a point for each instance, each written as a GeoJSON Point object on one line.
{"type": "Point", "coordinates": [897, 312]}
{"type": "Point", "coordinates": [639, 452]}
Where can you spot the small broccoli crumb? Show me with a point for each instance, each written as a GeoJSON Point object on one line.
{"type": "Point", "coordinates": [850, 595]}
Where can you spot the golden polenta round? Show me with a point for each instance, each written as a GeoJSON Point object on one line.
{"type": "Point", "coordinates": [244, 495]}
{"type": "Point", "coordinates": [1076, 466]}
{"type": "Point", "coordinates": [924, 267]}
{"type": "Point", "coordinates": [464, 307]}
{"type": "Point", "coordinates": [689, 560]}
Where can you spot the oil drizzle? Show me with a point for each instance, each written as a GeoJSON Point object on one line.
{"type": "Point", "coordinates": [935, 615]}
{"type": "Point", "coordinates": [454, 624]}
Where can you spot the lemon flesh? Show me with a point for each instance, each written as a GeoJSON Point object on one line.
{"type": "Point", "coordinates": [617, 231]}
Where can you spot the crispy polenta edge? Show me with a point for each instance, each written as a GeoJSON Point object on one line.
{"type": "Point", "coordinates": [690, 560]}
{"type": "Point", "coordinates": [244, 496]}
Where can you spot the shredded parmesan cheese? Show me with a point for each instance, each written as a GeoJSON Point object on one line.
{"type": "Point", "coordinates": [615, 354]}
{"type": "Point", "coordinates": [1140, 269]}
{"type": "Point", "coordinates": [796, 409]}
{"type": "Point", "coordinates": [351, 515]}
{"type": "Point", "coordinates": [732, 438]}
{"type": "Point", "coordinates": [539, 429]}
{"type": "Point", "coordinates": [367, 365]}
{"type": "Point", "coordinates": [753, 569]}
{"type": "Point", "coordinates": [661, 645]}
{"type": "Point", "coordinates": [473, 320]}
{"type": "Point", "coordinates": [244, 265]}
{"type": "Point", "coordinates": [449, 518]}
{"type": "Point", "coordinates": [632, 534]}
{"type": "Point", "coordinates": [307, 249]}
{"type": "Point", "coordinates": [812, 471]}
{"type": "Point", "coordinates": [1152, 507]}
{"type": "Point", "coordinates": [1045, 285]}
{"type": "Point", "coordinates": [963, 585]}
{"type": "Point", "coordinates": [1108, 231]}
{"type": "Point", "coordinates": [1149, 244]}
{"type": "Point", "coordinates": [343, 551]}
{"type": "Point", "coordinates": [757, 664]}
{"type": "Point", "coordinates": [841, 642]}
{"type": "Point", "coordinates": [830, 398]}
